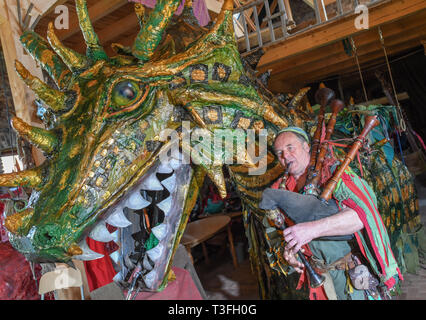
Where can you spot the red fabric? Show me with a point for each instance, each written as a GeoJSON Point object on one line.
{"type": "Point", "coordinates": [100, 272]}
{"type": "Point", "coordinates": [16, 279]}
{"type": "Point", "coordinates": [361, 214]}
{"type": "Point", "coordinates": [375, 219]}
{"type": "Point", "coordinates": [183, 288]}
{"type": "Point", "coordinates": [351, 204]}
{"type": "Point", "coordinates": [391, 282]}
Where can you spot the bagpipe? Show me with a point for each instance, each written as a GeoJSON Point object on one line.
{"type": "Point", "coordinates": [313, 205]}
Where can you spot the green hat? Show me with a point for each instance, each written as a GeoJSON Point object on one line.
{"type": "Point", "coordinates": [297, 130]}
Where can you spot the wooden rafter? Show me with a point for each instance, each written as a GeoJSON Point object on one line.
{"type": "Point", "coordinates": [247, 16]}
{"type": "Point", "coordinates": [368, 40]}
{"type": "Point", "coordinates": [97, 11]}
{"type": "Point", "coordinates": [337, 30]}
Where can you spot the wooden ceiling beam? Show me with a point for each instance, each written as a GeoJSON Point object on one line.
{"type": "Point", "coordinates": [333, 50]}
{"type": "Point", "coordinates": [338, 29]}
{"type": "Point", "coordinates": [350, 65]}
{"type": "Point", "coordinates": [115, 31]}
{"type": "Point", "coordinates": [97, 11]}
{"type": "Point", "coordinates": [362, 50]}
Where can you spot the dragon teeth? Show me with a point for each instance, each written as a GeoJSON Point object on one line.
{"type": "Point", "coordinates": [118, 219]}
{"type": "Point", "coordinates": [165, 205]}
{"type": "Point", "coordinates": [88, 254]}
{"type": "Point", "coordinates": [115, 256]}
{"type": "Point", "coordinates": [175, 154]}
{"type": "Point", "coordinates": [136, 201]}
{"type": "Point", "coordinates": [170, 183]}
{"type": "Point", "coordinates": [146, 264]}
{"type": "Point", "coordinates": [155, 253]}
{"type": "Point", "coordinates": [118, 277]}
{"type": "Point", "coordinates": [149, 279]}
{"type": "Point", "coordinates": [164, 168]}
{"type": "Point", "coordinates": [101, 233]}
{"type": "Point", "coordinates": [151, 183]}
{"type": "Point", "coordinates": [160, 231]}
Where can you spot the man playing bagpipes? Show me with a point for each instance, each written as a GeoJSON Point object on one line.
{"type": "Point", "coordinates": [344, 238]}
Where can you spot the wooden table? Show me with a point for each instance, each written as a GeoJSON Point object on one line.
{"type": "Point", "coordinates": [197, 232]}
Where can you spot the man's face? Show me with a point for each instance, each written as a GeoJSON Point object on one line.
{"type": "Point", "coordinates": [292, 150]}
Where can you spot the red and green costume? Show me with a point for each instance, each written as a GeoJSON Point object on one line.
{"type": "Point", "coordinates": [372, 241]}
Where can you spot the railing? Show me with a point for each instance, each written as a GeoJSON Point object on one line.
{"type": "Point", "coordinates": [264, 22]}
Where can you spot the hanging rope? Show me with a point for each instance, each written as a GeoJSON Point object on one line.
{"type": "Point", "coordinates": [401, 122]}
{"type": "Point", "coordinates": [359, 68]}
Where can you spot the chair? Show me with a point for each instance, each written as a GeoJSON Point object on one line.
{"type": "Point", "coordinates": [62, 277]}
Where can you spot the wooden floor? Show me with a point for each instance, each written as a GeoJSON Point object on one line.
{"type": "Point", "coordinates": [222, 281]}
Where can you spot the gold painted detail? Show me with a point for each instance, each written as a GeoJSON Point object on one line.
{"type": "Point", "coordinates": [74, 250]}
{"type": "Point", "coordinates": [198, 75]}
{"type": "Point", "coordinates": [18, 220]}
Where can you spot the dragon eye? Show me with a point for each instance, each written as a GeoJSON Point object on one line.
{"type": "Point", "coordinates": [125, 93]}
{"type": "Point", "coordinates": [126, 96]}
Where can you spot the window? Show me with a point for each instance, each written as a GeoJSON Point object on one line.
{"type": "Point", "coordinates": [9, 163]}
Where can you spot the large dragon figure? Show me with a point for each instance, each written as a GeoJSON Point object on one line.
{"type": "Point", "coordinates": [104, 138]}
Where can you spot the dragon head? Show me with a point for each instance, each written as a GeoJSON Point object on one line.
{"type": "Point", "coordinates": [103, 139]}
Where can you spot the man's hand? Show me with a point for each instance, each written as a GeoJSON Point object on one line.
{"type": "Point", "coordinates": [299, 235]}
{"type": "Point", "coordinates": [290, 257]}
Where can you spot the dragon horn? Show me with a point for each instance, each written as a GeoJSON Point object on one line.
{"type": "Point", "coordinates": [31, 178]}
{"type": "Point", "coordinates": [53, 98]}
{"type": "Point", "coordinates": [295, 102]}
{"type": "Point", "coordinates": [40, 50]}
{"type": "Point", "coordinates": [41, 138]}
{"type": "Point", "coordinates": [17, 223]}
{"type": "Point", "coordinates": [215, 173]}
{"type": "Point", "coordinates": [140, 13]}
{"type": "Point", "coordinates": [94, 50]}
{"type": "Point", "coordinates": [72, 59]}
{"type": "Point", "coordinates": [151, 32]}
{"type": "Point", "coordinates": [224, 24]}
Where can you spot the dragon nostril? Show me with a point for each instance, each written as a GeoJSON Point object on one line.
{"type": "Point", "coordinates": [47, 234]}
